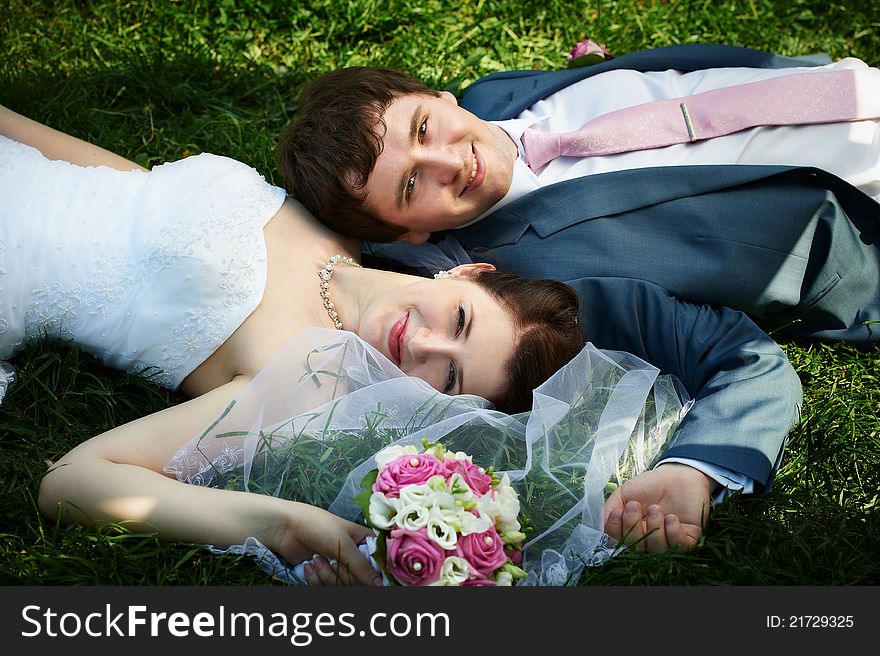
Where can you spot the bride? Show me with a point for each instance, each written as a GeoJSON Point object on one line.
{"type": "Point", "coordinates": [199, 271]}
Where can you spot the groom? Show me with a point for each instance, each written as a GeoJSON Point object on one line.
{"type": "Point", "coordinates": [730, 221]}
{"type": "Point", "coordinates": [777, 222]}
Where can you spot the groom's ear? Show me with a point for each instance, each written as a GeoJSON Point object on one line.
{"type": "Point", "coordinates": [414, 237]}
{"type": "Point", "coordinates": [448, 97]}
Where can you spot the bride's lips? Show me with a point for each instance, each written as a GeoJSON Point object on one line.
{"type": "Point", "coordinates": [395, 338]}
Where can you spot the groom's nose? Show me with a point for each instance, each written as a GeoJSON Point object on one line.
{"type": "Point", "coordinates": [444, 163]}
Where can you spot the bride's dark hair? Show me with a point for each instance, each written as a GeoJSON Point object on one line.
{"type": "Point", "coordinates": [544, 314]}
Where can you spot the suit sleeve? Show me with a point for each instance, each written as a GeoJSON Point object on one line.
{"type": "Point", "coordinates": [747, 395]}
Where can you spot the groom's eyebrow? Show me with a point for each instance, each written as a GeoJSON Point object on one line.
{"type": "Point", "coordinates": [413, 136]}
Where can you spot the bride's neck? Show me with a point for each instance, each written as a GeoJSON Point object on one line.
{"type": "Point", "coordinates": [353, 289]}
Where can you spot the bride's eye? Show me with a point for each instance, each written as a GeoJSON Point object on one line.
{"type": "Point", "coordinates": [450, 383]}
{"type": "Point", "coordinates": [460, 325]}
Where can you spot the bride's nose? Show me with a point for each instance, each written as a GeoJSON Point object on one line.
{"type": "Point", "coordinates": [426, 345]}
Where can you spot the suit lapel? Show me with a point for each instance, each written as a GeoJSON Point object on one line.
{"type": "Point", "coordinates": [558, 206]}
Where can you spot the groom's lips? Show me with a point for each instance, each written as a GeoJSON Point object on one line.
{"type": "Point", "coordinates": [481, 170]}
{"type": "Point", "coordinates": [480, 174]}
{"type": "Point", "coordinates": [395, 338]}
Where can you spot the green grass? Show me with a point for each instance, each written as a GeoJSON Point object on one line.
{"type": "Point", "coordinates": [156, 80]}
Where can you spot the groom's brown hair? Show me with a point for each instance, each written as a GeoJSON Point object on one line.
{"type": "Point", "coordinates": [327, 154]}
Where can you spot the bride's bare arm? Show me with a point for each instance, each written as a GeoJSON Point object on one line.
{"type": "Point", "coordinates": [59, 145]}
{"type": "Point", "coordinates": [117, 477]}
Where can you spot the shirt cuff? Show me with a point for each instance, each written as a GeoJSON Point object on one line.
{"type": "Point", "coordinates": [729, 480]}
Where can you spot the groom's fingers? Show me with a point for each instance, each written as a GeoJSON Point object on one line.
{"type": "Point", "coordinates": [614, 524]}
{"type": "Point", "coordinates": [633, 527]}
{"type": "Point", "coordinates": [681, 536]}
{"type": "Point", "coordinates": [656, 540]}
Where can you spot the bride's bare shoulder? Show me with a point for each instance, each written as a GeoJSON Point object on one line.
{"type": "Point", "coordinates": [294, 219]}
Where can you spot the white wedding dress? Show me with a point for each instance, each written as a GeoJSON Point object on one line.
{"type": "Point", "coordinates": [149, 271]}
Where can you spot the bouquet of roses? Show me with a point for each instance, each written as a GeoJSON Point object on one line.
{"type": "Point", "coordinates": [442, 520]}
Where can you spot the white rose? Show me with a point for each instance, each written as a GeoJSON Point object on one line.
{"type": "Point", "coordinates": [382, 511]}
{"type": "Point", "coordinates": [412, 516]}
{"type": "Point", "coordinates": [452, 516]}
{"type": "Point", "coordinates": [508, 516]}
{"type": "Point", "coordinates": [489, 505]}
{"type": "Point", "coordinates": [443, 499]}
{"type": "Point", "coordinates": [388, 454]}
{"type": "Point", "coordinates": [460, 455]}
{"type": "Point", "coordinates": [420, 495]}
{"type": "Point", "coordinates": [442, 533]}
{"type": "Point", "coordinates": [454, 571]}
{"type": "Point", "coordinates": [471, 523]}
{"type": "Point", "coordinates": [503, 578]}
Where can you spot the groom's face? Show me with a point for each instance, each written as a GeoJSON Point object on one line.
{"type": "Point", "coordinates": [440, 167]}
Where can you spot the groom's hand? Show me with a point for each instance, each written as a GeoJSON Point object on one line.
{"type": "Point", "coordinates": [664, 508]}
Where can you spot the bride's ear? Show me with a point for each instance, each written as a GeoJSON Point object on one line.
{"type": "Point", "coordinates": [468, 270]}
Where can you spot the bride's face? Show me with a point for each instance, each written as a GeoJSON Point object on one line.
{"type": "Point", "coordinates": [448, 332]}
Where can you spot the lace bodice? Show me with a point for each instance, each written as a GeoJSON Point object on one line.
{"type": "Point", "coordinates": [149, 271]}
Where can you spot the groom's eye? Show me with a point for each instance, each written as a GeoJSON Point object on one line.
{"type": "Point", "coordinates": [423, 128]}
{"type": "Point", "coordinates": [410, 185]}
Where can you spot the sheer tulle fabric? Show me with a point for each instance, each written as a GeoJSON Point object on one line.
{"type": "Point", "coordinates": [310, 434]}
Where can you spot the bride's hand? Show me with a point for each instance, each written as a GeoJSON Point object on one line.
{"type": "Point", "coordinates": [660, 509]}
{"type": "Point", "coordinates": [314, 531]}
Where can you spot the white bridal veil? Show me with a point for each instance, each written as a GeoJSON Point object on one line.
{"type": "Point", "coordinates": [310, 437]}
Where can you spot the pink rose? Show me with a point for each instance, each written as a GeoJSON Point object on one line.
{"type": "Point", "coordinates": [588, 47]}
{"type": "Point", "coordinates": [476, 582]}
{"type": "Point", "coordinates": [411, 469]}
{"type": "Point", "coordinates": [484, 551]}
{"type": "Point", "coordinates": [478, 481]}
{"type": "Point", "coordinates": [412, 557]}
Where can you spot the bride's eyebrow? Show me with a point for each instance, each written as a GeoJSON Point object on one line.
{"type": "Point", "coordinates": [467, 330]}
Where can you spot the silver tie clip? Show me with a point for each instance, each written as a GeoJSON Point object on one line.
{"type": "Point", "coordinates": [687, 122]}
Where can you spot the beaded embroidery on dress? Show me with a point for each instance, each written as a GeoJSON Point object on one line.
{"type": "Point", "coordinates": [149, 271]}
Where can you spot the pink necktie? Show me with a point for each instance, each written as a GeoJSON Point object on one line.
{"type": "Point", "coordinates": [820, 97]}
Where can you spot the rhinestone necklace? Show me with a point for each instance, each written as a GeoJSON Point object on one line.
{"type": "Point", "coordinates": [325, 274]}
